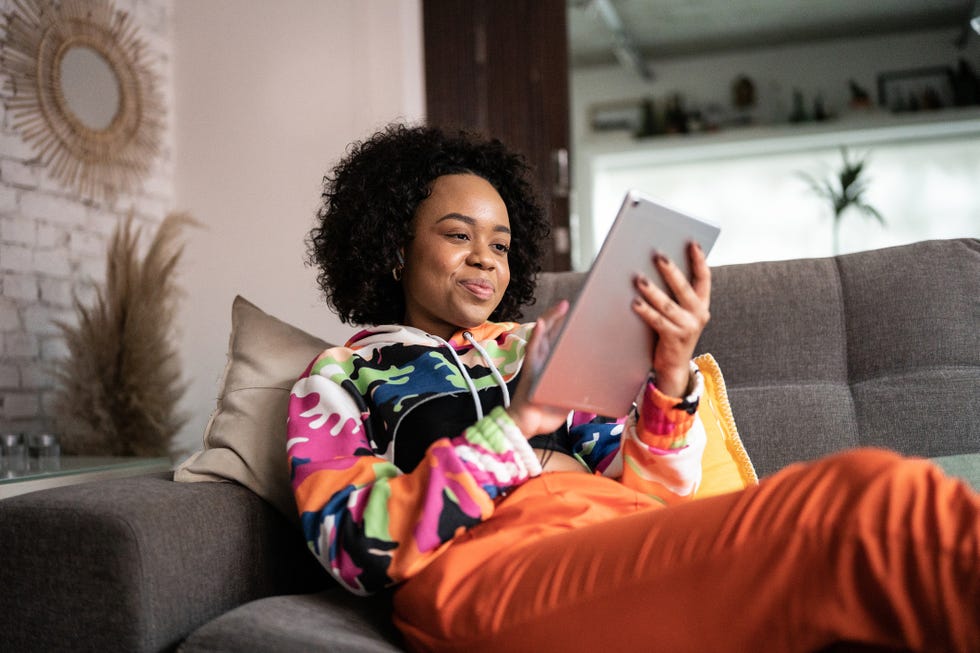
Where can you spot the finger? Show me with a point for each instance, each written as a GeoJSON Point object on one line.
{"type": "Point", "coordinates": [685, 294]}
{"type": "Point", "coordinates": [658, 300]}
{"type": "Point", "coordinates": [539, 345]}
{"type": "Point", "coordinates": [554, 317]}
{"type": "Point", "coordinates": [700, 272]}
{"type": "Point", "coordinates": [676, 280]}
{"type": "Point", "coordinates": [657, 319]}
{"type": "Point", "coordinates": [556, 312]}
{"type": "Point", "coordinates": [547, 320]}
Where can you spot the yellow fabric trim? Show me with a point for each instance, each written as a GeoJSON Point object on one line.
{"type": "Point", "coordinates": [726, 464]}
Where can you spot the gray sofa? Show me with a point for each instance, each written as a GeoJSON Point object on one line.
{"type": "Point", "coordinates": [880, 348]}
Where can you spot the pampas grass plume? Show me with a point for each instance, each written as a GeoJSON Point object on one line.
{"type": "Point", "coordinates": [119, 385]}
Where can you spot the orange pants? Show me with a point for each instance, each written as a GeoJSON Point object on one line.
{"type": "Point", "coordinates": [863, 546]}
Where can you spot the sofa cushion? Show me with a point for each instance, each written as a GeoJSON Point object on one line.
{"type": "Point", "coordinates": [332, 620]}
{"type": "Point", "coordinates": [725, 465]}
{"type": "Point", "coordinates": [134, 564]}
{"type": "Point", "coordinates": [913, 345]}
{"type": "Point", "coordinates": [245, 439]}
{"type": "Point", "coordinates": [876, 348]}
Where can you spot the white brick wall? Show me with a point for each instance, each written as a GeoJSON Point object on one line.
{"type": "Point", "coordinates": [53, 244]}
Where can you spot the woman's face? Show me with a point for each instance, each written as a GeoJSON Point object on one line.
{"type": "Point", "coordinates": [456, 268]}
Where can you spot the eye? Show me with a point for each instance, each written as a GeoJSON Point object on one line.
{"type": "Point", "coordinates": [500, 247]}
{"type": "Point", "coordinates": [458, 236]}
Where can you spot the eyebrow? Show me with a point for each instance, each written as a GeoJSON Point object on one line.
{"type": "Point", "coordinates": [470, 221]}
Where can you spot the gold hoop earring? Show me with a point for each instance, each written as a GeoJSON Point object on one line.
{"type": "Point", "coordinates": [396, 272]}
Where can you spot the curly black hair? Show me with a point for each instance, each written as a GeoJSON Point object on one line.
{"type": "Point", "coordinates": [370, 197]}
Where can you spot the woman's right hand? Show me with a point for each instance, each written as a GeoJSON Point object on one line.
{"type": "Point", "coordinates": [530, 417]}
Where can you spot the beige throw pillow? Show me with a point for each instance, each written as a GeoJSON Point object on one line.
{"type": "Point", "coordinates": [245, 439]}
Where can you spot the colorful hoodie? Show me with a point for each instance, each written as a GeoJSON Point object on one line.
{"type": "Point", "coordinates": [399, 441]}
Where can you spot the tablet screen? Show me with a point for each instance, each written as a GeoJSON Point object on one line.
{"type": "Point", "coordinates": [601, 355]}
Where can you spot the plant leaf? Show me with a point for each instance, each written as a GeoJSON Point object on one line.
{"type": "Point", "coordinates": [120, 383]}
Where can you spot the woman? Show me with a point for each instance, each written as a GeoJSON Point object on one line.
{"type": "Point", "coordinates": [418, 460]}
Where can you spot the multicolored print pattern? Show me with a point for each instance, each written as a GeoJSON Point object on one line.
{"type": "Point", "coordinates": [389, 461]}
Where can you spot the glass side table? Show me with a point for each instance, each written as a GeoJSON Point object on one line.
{"type": "Point", "coordinates": [71, 470]}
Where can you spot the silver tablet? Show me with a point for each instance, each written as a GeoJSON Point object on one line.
{"type": "Point", "coordinates": [601, 355]}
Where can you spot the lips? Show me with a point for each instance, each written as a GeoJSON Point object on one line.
{"type": "Point", "coordinates": [478, 287]}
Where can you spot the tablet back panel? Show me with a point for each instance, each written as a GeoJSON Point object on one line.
{"type": "Point", "coordinates": [602, 354]}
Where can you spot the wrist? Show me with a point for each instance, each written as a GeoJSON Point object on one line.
{"type": "Point", "coordinates": [673, 383]}
{"type": "Point", "coordinates": [520, 420]}
{"type": "Point", "coordinates": [660, 414]}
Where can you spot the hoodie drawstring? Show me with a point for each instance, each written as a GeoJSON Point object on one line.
{"type": "Point", "coordinates": [494, 372]}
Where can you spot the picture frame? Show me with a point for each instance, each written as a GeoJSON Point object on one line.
{"type": "Point", "coordinates": [917, 89]}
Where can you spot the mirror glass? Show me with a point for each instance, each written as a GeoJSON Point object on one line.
{"type": "Point", "coordinates": [90, 87]}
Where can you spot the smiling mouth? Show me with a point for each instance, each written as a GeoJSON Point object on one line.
{"type": "Point", "coordinates": [480, 289]}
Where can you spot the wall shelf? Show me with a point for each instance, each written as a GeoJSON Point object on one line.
{"type": "Point", "coordinates": [853, 130]}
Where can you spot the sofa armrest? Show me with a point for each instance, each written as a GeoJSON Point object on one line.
{"type": "Point", "coordinates": [137, 564]}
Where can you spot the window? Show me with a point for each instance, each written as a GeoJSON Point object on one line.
{"type": "Point", "coordinates": [923, 177]}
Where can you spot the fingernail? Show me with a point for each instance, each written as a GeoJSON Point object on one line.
{"type": "Point", "coordinates": [660, 258]}
{"type": "Point", "coordinates": [642, 280]}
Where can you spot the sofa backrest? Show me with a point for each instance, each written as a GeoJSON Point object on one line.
{"type": "Point", "coordinates": [876, 348]}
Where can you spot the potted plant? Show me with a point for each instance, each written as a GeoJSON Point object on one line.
{"type": "Point", "coordinates": [120, 383]}
{"type": "Point", "coordinates": [844, 190]}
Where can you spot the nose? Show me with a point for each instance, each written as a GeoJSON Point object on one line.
{"type": "Point", "coordinates": [481, 257]}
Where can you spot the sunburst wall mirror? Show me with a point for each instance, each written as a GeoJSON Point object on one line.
{"type": "Point", "coordinates": [81, 93]}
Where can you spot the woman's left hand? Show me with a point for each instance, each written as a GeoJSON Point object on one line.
{"type": "Point", "coordinates": [677, 321]}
